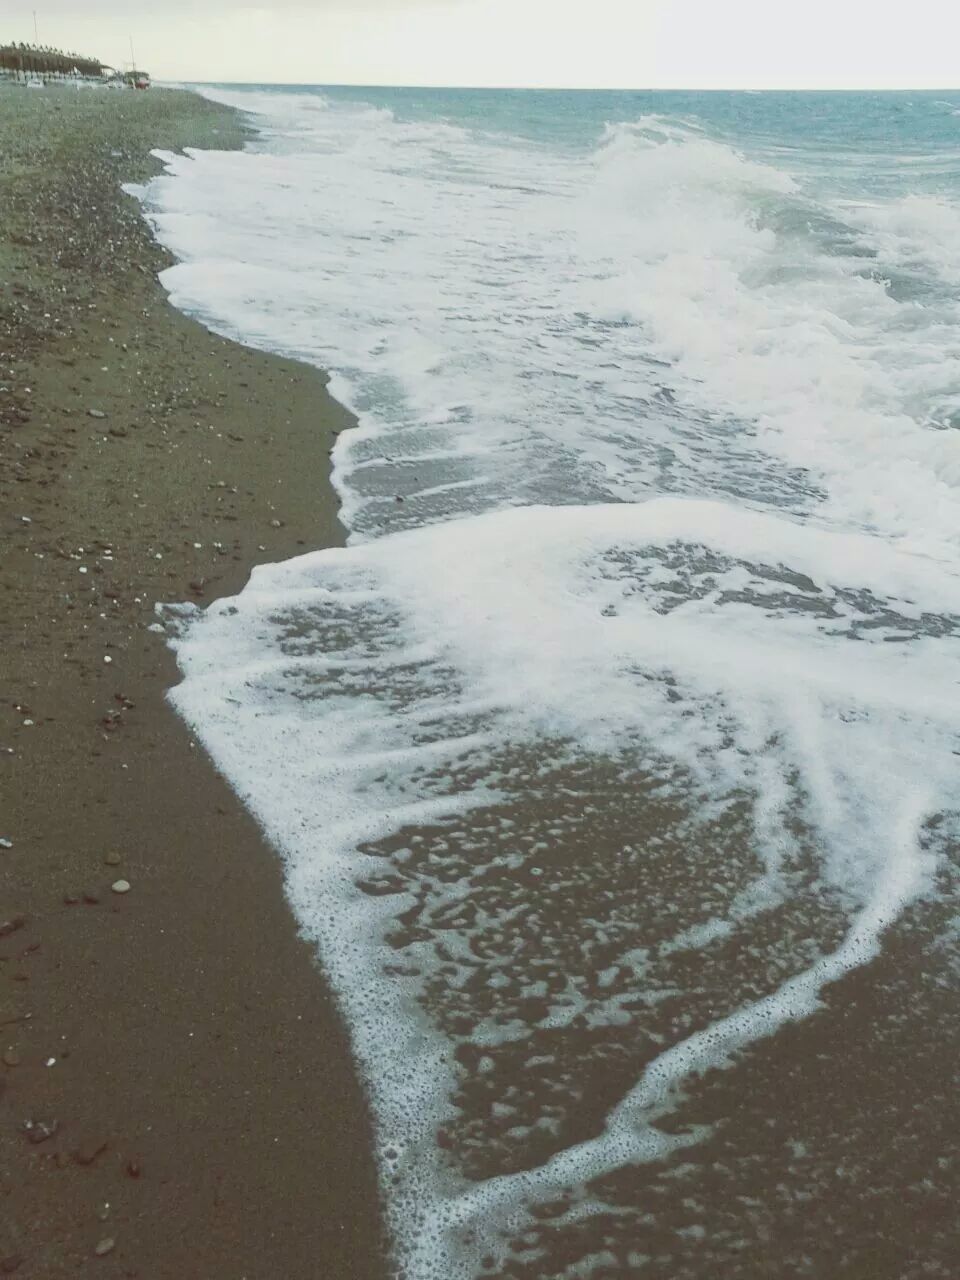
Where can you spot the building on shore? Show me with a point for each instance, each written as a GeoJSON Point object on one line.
{"type": "Point", "coordinates": [31, 63]}
{"type": "Point", "coordinates": [26, 60]}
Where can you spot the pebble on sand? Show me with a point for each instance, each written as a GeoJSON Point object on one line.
{"type": "Point", "coordinates": [12, 925]}
{"type": "Point", "coordinates": [11, 1058]}
{"type": "Point", "coordinates": [121, 886]}
{"type": "Point", "coordinates": [112, 859]}
{"type": "Point", "coordinates": [89, 1149]}
{"type": "Point", "coordinates": [96, 413]}
{"type": "Point", "coordinates": [105, 1246]}
{"type": "Point", "coordinates": [38, 1131]}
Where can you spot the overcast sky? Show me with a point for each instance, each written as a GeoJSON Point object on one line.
{"type": "Point", "coordinates": [565, 43]}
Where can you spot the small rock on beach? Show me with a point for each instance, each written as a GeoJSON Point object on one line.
{"type": "Point", "coordinates": [12, 925]}
{"type": "Point", "coordinates": [38, 1131]}
{"type": "Point", "coordinates": [89, 1149]}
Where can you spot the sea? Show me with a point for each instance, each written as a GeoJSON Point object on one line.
{"type": "Point", "coordinates": [614, 762]}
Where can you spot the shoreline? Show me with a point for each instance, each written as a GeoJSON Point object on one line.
{"type": "Point", "coordinates": [200, 1081]}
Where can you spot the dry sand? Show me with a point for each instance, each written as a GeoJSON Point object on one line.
{"type": "Point", "coordinates": [177, 1038]}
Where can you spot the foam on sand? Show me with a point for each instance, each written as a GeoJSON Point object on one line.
{"type": "Point", "coordinates": [355, 696]}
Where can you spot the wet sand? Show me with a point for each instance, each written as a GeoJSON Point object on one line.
{"type": "Point", "coordinates": [176, 1087]}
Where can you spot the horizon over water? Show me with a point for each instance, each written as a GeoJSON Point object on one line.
{"type": "Point", "coordinates": [614, 761]}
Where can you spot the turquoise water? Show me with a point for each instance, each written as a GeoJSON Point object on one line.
{"type": "Point", "coordinates": [901, 128]}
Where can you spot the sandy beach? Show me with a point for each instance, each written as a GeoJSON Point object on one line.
{"type": "Point", "coordinates": [176, 1091]}
{"type": "Point", "coordinates": [613, 763]}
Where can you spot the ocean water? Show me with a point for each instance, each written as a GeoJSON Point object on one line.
{"type": "Point", "coordinates": [615, 762]}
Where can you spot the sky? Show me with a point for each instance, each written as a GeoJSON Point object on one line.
{"type": "Point", "coordinates": [748, 44]}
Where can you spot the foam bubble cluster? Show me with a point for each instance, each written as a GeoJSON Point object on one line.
{"type": "Point", "coordinates": [578, 803]}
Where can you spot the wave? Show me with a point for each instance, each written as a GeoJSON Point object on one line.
{"type": "Point", "coordinates": [626, 724]}
{"type": "Point", "coordinates": [639, 305]}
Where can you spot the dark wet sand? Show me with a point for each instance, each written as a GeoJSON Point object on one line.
{"type": "Point", "coordinates": [207, 1116]}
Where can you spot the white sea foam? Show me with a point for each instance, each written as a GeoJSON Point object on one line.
{"type": "Point", "coordinates": [537, 342]}
{"type": "Point", "coordinates": [359, 683]}
{"type": "Point", "coordinates": [651, 317]}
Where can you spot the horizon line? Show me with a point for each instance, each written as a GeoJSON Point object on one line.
{"type": "Point", "coordinates": [521, 88]}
